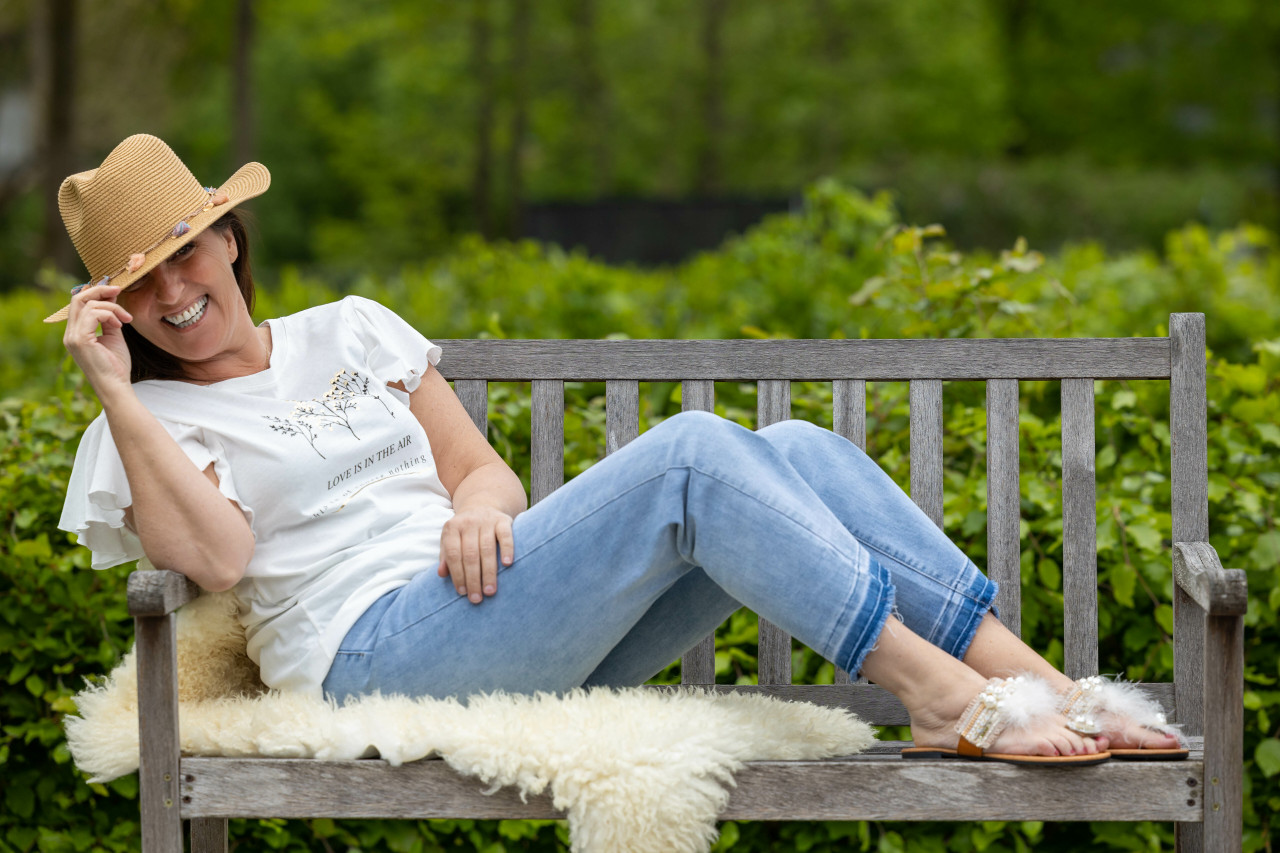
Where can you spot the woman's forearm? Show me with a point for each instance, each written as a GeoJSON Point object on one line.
{"type": "Point", "coordinates": [183, 521]}
{"type": "Point", "coordinates": [493, 485]}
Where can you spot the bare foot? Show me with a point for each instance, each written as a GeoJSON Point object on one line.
{"type": "Point", "coordinates": [933, 724]}
{"type": "Point", "coordinates": [937, 689]}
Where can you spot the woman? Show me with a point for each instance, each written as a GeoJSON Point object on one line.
{"type": "Point", "coordinates": [320, 466]}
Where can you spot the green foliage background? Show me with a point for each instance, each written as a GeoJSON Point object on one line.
{"type": "Point", "coordinates": [844, 266]}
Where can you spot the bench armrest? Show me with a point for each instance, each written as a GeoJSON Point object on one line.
{"type": "Point", "coordinates": [156, 592]}
{"type": "Point", "coordinates": [1218, 591]}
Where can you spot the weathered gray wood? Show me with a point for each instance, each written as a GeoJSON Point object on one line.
{"type": "Point", "coordinates": [1190, 497]}
{"type": "Point", "coordinates": [1004, 501]}
{"type": "Point", "coordinates": [849, 410]}
{"type": "Point", "coordinates": [1079, 530]}
{"type": "Point", "coordinates": [474, 395]}
{"type": "Point", "coordinates": [926, 447]}
{"type": "Point", "coordinates": [698, 665]}
{"type": "Point", "coordinates": [806, 360]}
{"type": "Point", "coordinates": [849, 419]}
{"type": "Point", "coordinates": [872, 788]}
{"type": "Point", "coordinates": [156, 646]}
{"type": "Point", "coordinates": [621, 413]}
{"type": "Point", "coordinates": [209, 835]}
{"type": "Point", "coordinates": [697, 395]}
{"type": "Point", "coordinates": [1189, 837]}
{"type": "Point", "coordinates": [1217, 591]}
{"type": "Point", "coordinates": [1224, 733]}
{"type": "Point", "coordinates": [773, 405]}
{"type": "Point", "coordinates": [155, 592]}
{"type": "Point", "coordinates": [547, 453]}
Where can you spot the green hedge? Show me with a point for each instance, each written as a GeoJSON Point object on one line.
{"type": "Point", "coordinates": [842, 267]}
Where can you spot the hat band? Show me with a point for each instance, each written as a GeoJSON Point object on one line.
{"type": "Point", "coordinates": [137, 259]}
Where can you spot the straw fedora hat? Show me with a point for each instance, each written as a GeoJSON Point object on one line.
{"type": "Point", "coordinates": [140, 206]}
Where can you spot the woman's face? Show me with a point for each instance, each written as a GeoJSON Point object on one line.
{"type": "Point", "coordinates": [190, 305]}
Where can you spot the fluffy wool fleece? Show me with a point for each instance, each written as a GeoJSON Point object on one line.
{"type": "Point", "coordinates": [633, 769]}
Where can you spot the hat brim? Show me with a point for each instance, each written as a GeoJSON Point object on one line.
{"type": "Point", "coordinates": [250, 181]}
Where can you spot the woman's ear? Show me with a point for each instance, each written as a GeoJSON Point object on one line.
{"type": "Point", "coordinates": [233, 249]}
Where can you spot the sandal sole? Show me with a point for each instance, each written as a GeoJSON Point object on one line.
{"type": "Point", "coordinates": [1150, 754]}
{"type": "Point", "coordinates": [925, 752]}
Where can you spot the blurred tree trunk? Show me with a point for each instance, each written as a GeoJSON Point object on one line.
{"type": "Point", "coordinates": [833, 47]}
{"type": "Point", "coordinates": [521, 23]}
{"type": "Point", "coordinates": [592, 97]}
{"type": "Point", "coordinates": [482, 71]}
{"type": "Point", "coordinates": [708, 163]}
{"type": "Point", "coordinates": [242, 84]}
{"type": "Point", "coordinates": [53, 53]}
{"type": "Point", "coordinates": [1014, 20]}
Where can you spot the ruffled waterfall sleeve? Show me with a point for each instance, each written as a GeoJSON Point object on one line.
{"type": "Point", "coordinates": [396, 351]}
{"type": "Point", "coordinates": [98, 493]}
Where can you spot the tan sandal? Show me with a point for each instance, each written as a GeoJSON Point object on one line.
{"type": "Point", "coordinates": [1005, 703]}
{"type": "Point", "coordinates": [1098, 706]}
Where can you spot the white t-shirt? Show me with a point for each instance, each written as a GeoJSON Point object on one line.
{"type": "Point", "coordinates": [331, 469]}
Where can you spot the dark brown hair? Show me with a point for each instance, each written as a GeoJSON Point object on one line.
{"type": "Point", "coordinates": [151, 362]}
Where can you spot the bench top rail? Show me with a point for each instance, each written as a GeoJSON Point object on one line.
{"type": "Point", "coordinates": [805, 360]}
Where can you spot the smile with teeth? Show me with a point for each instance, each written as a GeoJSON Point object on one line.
{"type": "Point", "coordinates": [191, 315]}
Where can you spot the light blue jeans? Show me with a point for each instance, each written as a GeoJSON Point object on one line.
{"type": "Point", "coordinates": [631, 563]}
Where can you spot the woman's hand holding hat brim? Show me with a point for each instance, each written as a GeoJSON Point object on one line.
{"type": "Point", "coordinates": [104, 357]}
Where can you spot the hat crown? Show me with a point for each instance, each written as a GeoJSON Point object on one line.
{"type": "Point", "coordinates": [128, 203]}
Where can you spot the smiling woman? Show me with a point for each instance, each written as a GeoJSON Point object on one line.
{"type": "Point", "coordinates": [320, 466]}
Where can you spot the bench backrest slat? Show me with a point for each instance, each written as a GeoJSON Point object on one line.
{"type": "Point", "coordinates": [926, 447]}
{"type": "Point", "coordinates": [773, 404]}
{"type": "Point", "coordinates": [474, 396]}
{"type": "Point", "coordinates": [547, 436]}
{"type": "Point", "coordinates": [621, 412]}
{"type": "Point", "coordinates": [849, 410]}
{"type": "Point", "coordinates": [1079, 531]}
{"type": "Point", "coordinates": [1004, 548]}
{"type": "Point", "coordinates": [698, 665]}
{"type": "Point", "coordinates": [849, 419]}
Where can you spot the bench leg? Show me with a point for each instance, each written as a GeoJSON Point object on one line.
{"type": "Point", "coordinates": [156, 647]}
{"type": "Point", "coordinates": [209, 835]}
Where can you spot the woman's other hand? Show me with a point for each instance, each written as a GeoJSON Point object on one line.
{"type": "Point", "coordinates": [103, 358]}
{"type": "Point", "coordinates": [470, 546]}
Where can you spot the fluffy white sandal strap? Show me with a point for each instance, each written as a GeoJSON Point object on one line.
{"type": "Point", "coordinates": [1006, 703]}
{"type": "Point", "coordinates": [1109, 705]}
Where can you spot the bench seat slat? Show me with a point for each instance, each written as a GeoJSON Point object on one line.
{"type": "Point", "coordinates": [863, 788]}
{"type": "Point", "coordinates": [1004, 565]}
{"type": "Point", "coordinates": [805, 360]}
{"type": "Point", "coordinates": [1079, 530]}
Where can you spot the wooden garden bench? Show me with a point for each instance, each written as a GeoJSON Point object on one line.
{"type": "Point", "coordinates": [1203, 795]}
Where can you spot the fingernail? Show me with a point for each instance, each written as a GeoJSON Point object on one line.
{"type": "Point", "coordinates": [461, 591]}
{"type": "Point", "coordinates": [475, 598]}
{"type": "Point", "coordinates": [490, 589]}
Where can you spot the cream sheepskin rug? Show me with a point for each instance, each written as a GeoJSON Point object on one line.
{"type": "Point", "coordinates": [633, 769]}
